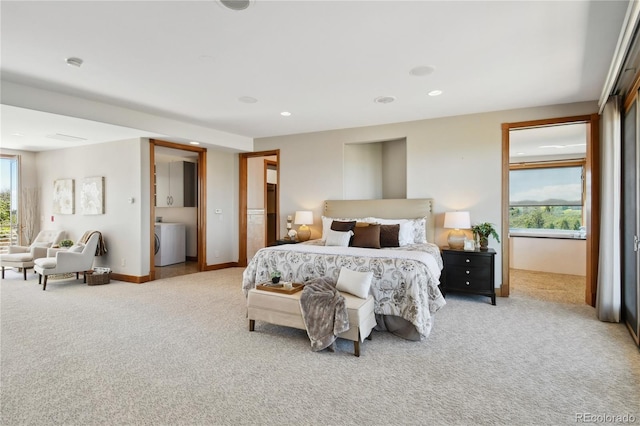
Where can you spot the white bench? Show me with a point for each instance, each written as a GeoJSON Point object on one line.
{"type": "Point", "coordinates": [284, 309]}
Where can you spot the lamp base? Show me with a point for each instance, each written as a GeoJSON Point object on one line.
{"type": "Point", "coordinates": [456, 239]}
{"type": "Point", "coordinates": [304, 233]}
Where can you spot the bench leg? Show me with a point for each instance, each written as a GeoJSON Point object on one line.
{"type": "Point", "coordinates": [356, 347]}
{"type": "Point", "coordinates": [252, 325]}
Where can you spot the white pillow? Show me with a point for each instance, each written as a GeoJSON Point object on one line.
{"type": "Point", "coordinates": [412, 231]}
{"type": "Point", "coordinates": [338, 238]}
{"type": "Point", "coordinates": [77, 248]}
{"type": "Point", "coordinates": [354, 282]}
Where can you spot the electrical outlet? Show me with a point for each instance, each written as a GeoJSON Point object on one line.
{"type": "Point", "coordinates": [216, 253]}
{"type": "Point", "coordinates": [123, 262]}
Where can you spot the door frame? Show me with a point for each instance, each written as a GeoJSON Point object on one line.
{"type": "Point", "coordinates": [592, 196]}
{"type": "Point", "coordinates": [242, 198]}
{"type": "Point", "coordinates": [201, 218]}
{"type": "Point", "coordinates": [272, 163]}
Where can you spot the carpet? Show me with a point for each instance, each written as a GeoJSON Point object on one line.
{"type": "Point", "coordinates": [178, 352]}
{"type": "Point", "coordinates": [560, 288]}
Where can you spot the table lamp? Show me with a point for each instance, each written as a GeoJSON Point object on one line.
{"type": "Point", "coordinates": [303, 218]}
{"type": "Point", "coordinates": [457, 221]}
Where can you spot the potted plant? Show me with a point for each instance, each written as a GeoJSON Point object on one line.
{"type": "Point", "coordinates": [65, 243]}
{"type": "Point", "coordinates": [482, 231]}
{"type": "Point", "coordinates": [275, 277]}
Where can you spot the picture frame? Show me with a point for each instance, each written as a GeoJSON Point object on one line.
{"type": "Point", "coordinates": [92, 196]}
{"type": "Point", "coordinates": [63, 196]}
{"type": "Point", "coordinates": [469, 245]}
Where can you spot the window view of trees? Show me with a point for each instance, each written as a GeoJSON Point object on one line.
{"type": "Point", "coordinates": [546, 198]}
{"type": "Point", "coordinates": [545, 217]}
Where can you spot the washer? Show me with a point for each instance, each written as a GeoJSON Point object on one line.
{"type": "Point", "coordinates": [170, 243]}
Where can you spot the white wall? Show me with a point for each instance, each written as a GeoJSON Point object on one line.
{"type": "Point", "coordinates": [123, 223]}
{"type": "Point", "coordinates": [454, 160]}
{"type": "Point", "coordinates": [555, 255]}
{"type": "Point", "coordinates": [222, 194]}
{"type": "Point", "coordinates": [362, 171]}
{"type": "Point", "coordinates": [394, 169]}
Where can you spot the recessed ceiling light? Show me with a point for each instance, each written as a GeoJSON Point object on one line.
{"type": "Point", "coordinates": [384, 99]}
{"type": "Point", "coordinates": [74, 62]}
{"type": "Point", "coordinates": [20, 135]}
{"type": "Point", "coordinates": [552, 146]}
{"type": "Point", "coordinates": [435, 93]}
{"type": "Point", "coordinates": [285, 113]}
{"type": "Point", "coordinates": [194, 143]}
{"type": "Point", "coordinates": [247, 99]}
{"type": "Point", "coordinates": [236, 4]}
{"type": "Point", "coordinates": [519, 153]}
{"type": "Point", "coordinates": [421, 71]}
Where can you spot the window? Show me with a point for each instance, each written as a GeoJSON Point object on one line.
{"type": "Point", "coordinates": [8, 202]}
{"type": "Point", "coordinates": [546, 198]}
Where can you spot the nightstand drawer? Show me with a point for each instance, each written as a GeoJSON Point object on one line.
{"type": "Point", "coordinates": [472, 279]}
{"type": "Point", "coordinates": [460, 273]}
{"type": "Point", "coordinates": [462, 259]}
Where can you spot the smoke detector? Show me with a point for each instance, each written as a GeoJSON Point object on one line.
{"type": "Point", "coordinates": [384, 99]}
{"type": "Point", "coordinates": [236, 4]}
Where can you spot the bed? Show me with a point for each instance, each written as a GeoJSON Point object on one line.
{"type": "Point", "coordinates": [405, 279]}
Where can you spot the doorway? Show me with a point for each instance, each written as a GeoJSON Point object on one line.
{"type": "Point", "coordinates": [587, 169]}
{"type": "Point", "coordinates": [253, 198]}
{"type": "Point", "coordinates": [178, 206]}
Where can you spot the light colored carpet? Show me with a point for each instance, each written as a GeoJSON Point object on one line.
{"type": "Point", "coordinates": [178, 352]}
{"type": "Point", "coordinates": [561, 288]}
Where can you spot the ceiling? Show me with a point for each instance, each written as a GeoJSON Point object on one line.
{"type": "Point", "coordinates": [325, 62]}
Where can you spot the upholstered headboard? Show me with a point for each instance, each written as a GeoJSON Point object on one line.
{"type": "Point", "coordinates": [385, 209]}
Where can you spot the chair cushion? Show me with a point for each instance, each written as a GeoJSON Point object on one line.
{"type": "Point", "coordinates": [46, 262]}
{"type": "Point", "coordinates": [17, 257]}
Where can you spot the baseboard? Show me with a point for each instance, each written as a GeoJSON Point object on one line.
{"type": "Point", "coordinates": [130, 278]}
{"type": "Point", "coordinates": [221, 266]}
{"type": "Point", "coordinates": [146, 278]}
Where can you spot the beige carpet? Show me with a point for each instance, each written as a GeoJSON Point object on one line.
{"type": "Point", "coordinates": [178, 352]}
{"type": "Point", "coordinates": [546, 286]}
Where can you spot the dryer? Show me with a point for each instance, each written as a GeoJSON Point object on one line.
{"type": "Point", "coordinates": [171, 243]}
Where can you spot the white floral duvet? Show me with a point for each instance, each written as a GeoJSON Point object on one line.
{"type": "Point", "coordinates": [405, 279]}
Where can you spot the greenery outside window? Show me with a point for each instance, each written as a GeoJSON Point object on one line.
{"type": "Point", "coordinates": [8, 201]}
{"type": "Point", "coordinates": [547, 198]}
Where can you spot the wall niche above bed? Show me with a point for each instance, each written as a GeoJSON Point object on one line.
{"type": "Point", "coordinates": [375, 170]}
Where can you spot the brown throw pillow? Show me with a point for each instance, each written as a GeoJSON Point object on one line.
{"type": "Point", "coordinates": [366, 236]}
{"type": "Point", "coordinates": [337, 225]}
{"type": "Point", "coordinates": [389, 235]}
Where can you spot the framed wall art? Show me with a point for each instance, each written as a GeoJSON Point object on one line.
{"type": "Point", "coordinates": [63, 196]}
{"type": "Point", "coordinates": [92, 195]}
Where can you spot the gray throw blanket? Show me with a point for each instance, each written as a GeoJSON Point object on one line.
{"type": "Point", "coordinates": [324, 312]}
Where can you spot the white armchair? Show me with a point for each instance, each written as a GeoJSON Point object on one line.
{"type": "Point", "coordinates": [23, 257]}
{"type": "Point", "coordinates": [78, 258]}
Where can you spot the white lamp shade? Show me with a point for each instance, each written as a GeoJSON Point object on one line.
{"type": "Point", "coordinates": [304, 218]}
{"type": "Point", "coordinates": [457, 220]}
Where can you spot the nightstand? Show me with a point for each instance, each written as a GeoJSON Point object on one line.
{"type": "Point", "coordinates": [284, 241]}
{"type": "Point", "coordinates": [469, 272]}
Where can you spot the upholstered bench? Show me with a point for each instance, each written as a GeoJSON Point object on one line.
{"type": "Point", "coordinates": [284, 309]}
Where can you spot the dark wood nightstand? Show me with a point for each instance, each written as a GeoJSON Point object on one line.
{"type": "Point", "coordinates": [284, 241]}
{"type": "Point", "coordinates": [469, 272]}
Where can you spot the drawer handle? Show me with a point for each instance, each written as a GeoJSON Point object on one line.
{"type": "Point", "coordinates": [467, 260]}
{"type": "Point", "coordinates": [467, 272]}
{"type": "Point", "coordinates": [467, 283]}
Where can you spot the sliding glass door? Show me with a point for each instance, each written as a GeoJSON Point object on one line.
{"type": "Point", "coordinates": [631, 221]}
{"type": "Point", "coordinates": [8, 201]}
